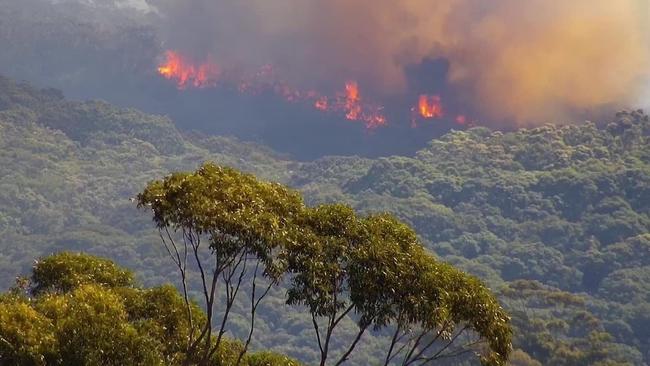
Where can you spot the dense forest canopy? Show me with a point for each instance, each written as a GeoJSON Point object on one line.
{"type": "Point", "coordinates": [554, 219]}
{"type": "Point", "coordinates": [77, 309]}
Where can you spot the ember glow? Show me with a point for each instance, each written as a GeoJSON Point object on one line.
{"type": "Point", "coordinates": [352, 106]}
{"type": "Point", "coordinates": [185, 73]}
{"type": "Point", "coordinates": [356, 110]}
{"type": "Point", "coordinates": [521, 63]}
{"type": "Point", "coordinates": [321, 104]}
{"type": "Point", "coordinates": [348, 103]}
{"type": "Point", "coordinates": [430, 106]}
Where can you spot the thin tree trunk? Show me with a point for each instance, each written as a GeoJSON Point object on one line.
{"type": "Point", "coordinates": [353, 345]}
{"type": "Point", "coordinates": [254, 304]}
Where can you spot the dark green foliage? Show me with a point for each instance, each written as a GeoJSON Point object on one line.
{"type": "Point", "coordinates": [270, 359]}
{"type": "Point", "coordinates": [339, 264]}
{"type": "Point", "coordinates": [89, 122]}
{"type": "Point", "coordinates": [102, 322]}
{"type": "Point", "coordinates": [558, 328]}
{"type": "Point", "coordinates": [244, 222]}
{"type": "Point", "coordinates": [478, 199]}
{"type": "Point", "coordinates": [66, 271]}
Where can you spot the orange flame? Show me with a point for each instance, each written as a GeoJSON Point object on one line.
{"type": "Point", "coordinates": [356, 110]}
{"type": "Point", "coordinates": [352, 107]}
{"type": "Point", "coordinates": [430, 106]}
{"type": "Point", "coordinates": [352, 91]}
{"type": "Point", "coordinates": [185, 73]}
{"type": "Point", "coordinates": [349, 102]}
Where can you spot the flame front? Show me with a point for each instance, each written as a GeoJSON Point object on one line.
{"type": "Point", "coordinates": [185, 73]}
{"type": "Point", "coordinates": [352, 107]}
{"type": "Point", "coordinates": [356, 110]}
{"type": "Point", "coordinates": [430, 106]}
{"type": "Point", "coordinates": [348, 103]}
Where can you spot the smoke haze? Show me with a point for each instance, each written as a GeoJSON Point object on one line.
{"type": "Point", "coordinates": [495, 63]}
{"type": "Point", "coordinates": [512, 61]}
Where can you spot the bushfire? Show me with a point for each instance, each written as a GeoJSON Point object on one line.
{"type": "Point", "coordinates": [185, 73]}
{"type": "Point", "coordinates": [349, 103]}
{"type": "Point", "coordinates": [430, 106]}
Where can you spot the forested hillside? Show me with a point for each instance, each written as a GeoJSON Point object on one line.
{"type": "Point", "coordinates": [555, 219]}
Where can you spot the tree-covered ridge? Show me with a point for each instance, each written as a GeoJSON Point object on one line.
{"type": "Point", "coordinates": [565, 208]}
{"type": "Point", "coordinates": [476, 195]}
{"type": "Point", "coordinates": [575, 189]}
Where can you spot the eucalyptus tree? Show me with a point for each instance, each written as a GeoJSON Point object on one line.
{"type": "Point", "coordinates": [76, 310]}
{"type": "Point", "coordinates": [434, 310]}
{"type": "Point", "coordinates": [340, 265]}
{"type": "Point", "coordinates": [318, 261]}
{"type": "Point", "coordinates": [229, 227]}
{"type": "Point", "coordinates": [454, 315]}
{"type": "Point", "coordinates": [375, 269]}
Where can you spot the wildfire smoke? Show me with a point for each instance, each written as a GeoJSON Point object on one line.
{"type": "Point", "coordinates": [176, 67]}
{"type": "Point", "coordinates": [512, 61]}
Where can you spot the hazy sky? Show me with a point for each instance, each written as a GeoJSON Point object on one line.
{"type": "Point", "coordinates": [524, 61]}
{"type": "Point", "coordinates": [511, 61]}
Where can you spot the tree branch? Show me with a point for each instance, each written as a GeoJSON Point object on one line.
{"type": "Point", "coordinates": [460, 350]}
{"type": "Point", "coordinates": [393, 341]}
{"type": "Point", "coordinates": [425, 348]}
{"type": "Point", "coordinates": [346, 355]}
{"type": "Point", "coordinates": [254, 304]}
{"type": "Point", "coordinates": [437, 354]}
{"type": "Point", "coordinates": [346, 312]}
{"type": "Point", "coordinates": [207, 327]}
{"type": "Point", "coordinates": [231, 294]}
{"type": "Point", "coordinates": [313, 320]}
{"type": "Point", "coordinates": [407, 357]}
{"type": "Point", "coordinates": [182, 268]}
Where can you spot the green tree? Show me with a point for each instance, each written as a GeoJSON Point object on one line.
{"type": "Point", "coordinates": [557, 328]}
{"type": "Point", "coordinates": [26, 336]}
{"type": "Point", "coordinates": [103, 322]}
{"type": "Point", "coordinates": [375, 268]}
{"type": "Point", "coordinates": [66, 271]}
{"type": "Point", "coordinates": [230, 224]}
{"type": "Point", "coordinates": [454, 316]}
{"type": "Point", "coordinates": [318, 262]}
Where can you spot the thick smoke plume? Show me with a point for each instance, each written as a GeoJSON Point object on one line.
{"type": "Point", "coordinates": [513, 61]}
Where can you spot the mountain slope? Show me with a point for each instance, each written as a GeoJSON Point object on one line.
{"type": "Point", "coordinates": [556, 219]}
